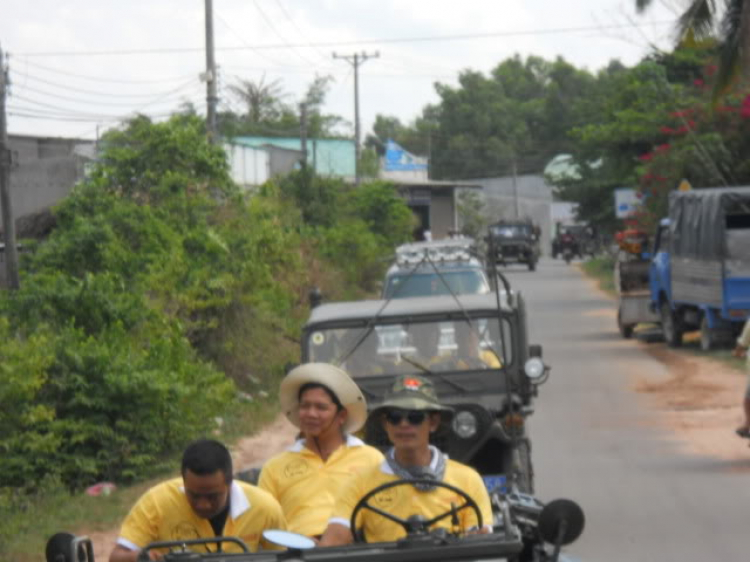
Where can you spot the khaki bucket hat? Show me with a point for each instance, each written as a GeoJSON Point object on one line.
{"type": "Point", "coordinates": [412, 392]}
{"type": "Point", "coordinates": [332, 377]}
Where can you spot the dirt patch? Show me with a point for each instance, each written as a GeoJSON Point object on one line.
{"type": "Point", "coordinates": [249, 452]}
{"type": "Point", "coordinates": [701, 403]}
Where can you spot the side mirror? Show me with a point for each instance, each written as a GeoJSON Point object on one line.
{"type": "Point", "coordinates": [315, 297]}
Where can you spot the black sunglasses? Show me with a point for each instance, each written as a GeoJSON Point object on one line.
{"type": "Point", "coordinates": [414, 417]}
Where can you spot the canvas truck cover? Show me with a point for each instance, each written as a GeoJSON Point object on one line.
{"type": "Point", "coordinates": [698, 224]}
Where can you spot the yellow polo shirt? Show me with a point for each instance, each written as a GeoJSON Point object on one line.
{"type": "Point", "coordinates": [404, 501]}
{"type": "Point", "coordinates": [306, 486]}
{"type": "Point", "coordinates": [164, 514]}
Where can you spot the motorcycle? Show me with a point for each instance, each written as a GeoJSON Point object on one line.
{"type": "Point", "coordinates": [569, 247]}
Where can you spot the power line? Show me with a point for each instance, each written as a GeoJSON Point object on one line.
{"type": "Point", "coordinates": [99, 78]}
{"type": "Point", "coordinates": [329, 44]}
{"type": "Point", "coordinates": [32, 77]}
{"type": "Point", "coordinates": [309, 43]}
{"type": "Point", "coordinates": [270, 24]}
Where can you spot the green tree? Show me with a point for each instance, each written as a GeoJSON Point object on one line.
{"type": "Point", "coordinates": [729, 21]}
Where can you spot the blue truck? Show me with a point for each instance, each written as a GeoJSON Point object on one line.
{"type": "Point", "coordinates": [699, 276]}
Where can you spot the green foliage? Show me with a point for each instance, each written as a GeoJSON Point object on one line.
{"type": "Point", "coordinates": [161, 291]}
{"type": "Point", "coordinates": [384, 212]}
{"type": "Point", "coordinates": [472, 220]}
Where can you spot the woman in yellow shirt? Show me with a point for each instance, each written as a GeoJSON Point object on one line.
{"type": "Point", "coordinates": [327, 406]}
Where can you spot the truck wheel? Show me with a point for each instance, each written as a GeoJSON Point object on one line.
{"type": "Point", "coordinates": [626, 330]}
{"type": "Point", "coordinates": [523, 468]}
{"type": "Point", "coordinates": [532, 266]}
{"type": "Point", "coordinates": [670, 325]}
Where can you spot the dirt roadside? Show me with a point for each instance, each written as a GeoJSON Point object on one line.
{"type": "Point", "coordinates": [699, 402]}
{"type": "Point", "coordinates": [249, 452]}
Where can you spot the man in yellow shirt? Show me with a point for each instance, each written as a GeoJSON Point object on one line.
{"type": "Point", "coordinates": [409, 414]}
{"type": "Point", "coordinates": [327, 406]}
{"type": "Point", "coordinates": [204, 503]}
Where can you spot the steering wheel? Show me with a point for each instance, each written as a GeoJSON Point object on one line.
{"type": "Point", "coordinates": [411, 525]}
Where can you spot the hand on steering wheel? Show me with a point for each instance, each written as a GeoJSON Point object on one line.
{"type": "Point", "coordinates": [411, 526]}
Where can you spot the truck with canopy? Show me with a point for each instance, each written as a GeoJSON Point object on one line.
{"type": "Point", "coordinates": [699, 275]}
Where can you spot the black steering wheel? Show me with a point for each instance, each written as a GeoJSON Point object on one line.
{"type": "Point", "coordinates": [412, 525]}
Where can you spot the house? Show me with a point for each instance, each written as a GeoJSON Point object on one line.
{"type": "Point", "coordinates": [327, 157]}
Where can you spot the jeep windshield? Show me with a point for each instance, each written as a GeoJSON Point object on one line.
{"type": "Point", "coordinates": [419, 284]}
{"type": "Point", "coordinates": [428, 346]}
{"type": "Point", "coordinates": [511, 231]}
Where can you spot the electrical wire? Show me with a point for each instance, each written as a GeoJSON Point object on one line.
{"type": "Point", "coordinates": [310, 44]}
{"type": "Point", "coordinates": [272, 27]}
{"type": "Point", "coordinates": [27, 76]}
{"type": "Point", "coordinates": [35, 64]}
{"type": "Point", "coordinates": [386, 40]}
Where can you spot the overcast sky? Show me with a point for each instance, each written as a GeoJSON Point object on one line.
{"type": "Point", "coordinates": [80, 65]}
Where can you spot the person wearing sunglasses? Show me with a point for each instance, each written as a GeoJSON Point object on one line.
{"type": "Point", "coordinates": [327, 406]}
{"type": "Point", "coordinates": [409, 414]}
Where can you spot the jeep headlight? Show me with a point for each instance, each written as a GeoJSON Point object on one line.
{"type": "Point", "coordinates": [534, 368]}
{"type": "Point", "coordinates": [465, 424]}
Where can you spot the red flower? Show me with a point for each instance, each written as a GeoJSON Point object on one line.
{"type": "Point", "coordinates": [711, 69]}
{"type": "Point", "coordinates": [662, 148]}
{"type": "Point", "coordinates": [745, 109]}
{"type": "Point", "coordinates": [646, 157]}
{"type": "Point", "coordinates": [666, 130]}
{"type": "Point", "coordinates": [698, 82]}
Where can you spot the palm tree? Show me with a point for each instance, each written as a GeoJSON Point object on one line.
{"type": "Point", "coordinates": [702, 17]}
{"type": "Point", "coordinates": [263, 100]}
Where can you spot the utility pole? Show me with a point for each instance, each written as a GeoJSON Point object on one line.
{"type": "Point", "coordinates": [515, 186]}
{"type": "Point", "coordinates": [356, 60]}
{"type": "Point", "coordinates": [303, 131]}
{"type": "Point", "coordinates": [9, 226]}
{"type": "Point", "coordinates": [211, 97]}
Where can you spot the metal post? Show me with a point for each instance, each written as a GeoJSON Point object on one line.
{"type": "Point", "coordinates": [303, 131]}
{"type": "Point", "coordinates": [9, 226]}
{"type": "Point", "coordinates": [515, 188]}
{"type": "Point", "coordinates": [356, 60]}
{"type": "Point", "coordinates": [211, 96]}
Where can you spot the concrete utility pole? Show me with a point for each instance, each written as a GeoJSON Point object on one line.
{"type": "Point", "coordinates": [9, 226]}
{"type": "Point", "coordinates": [515, 187]}
{"type": "Point", "coordinates": [212, 98]}
{"type": "Point", "coordinates": [303, 131]}
{"type": "Point", "coordinates": [356, 60]}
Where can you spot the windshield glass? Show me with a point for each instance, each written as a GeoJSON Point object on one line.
{"type": "Point", "coordinates": [414, 347]}
{"type": "Point", "coordinates": [512, 231]}
{"type": "Point", "coordinates": [430, 284]}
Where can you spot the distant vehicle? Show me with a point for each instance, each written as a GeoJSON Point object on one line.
{"type": "Point", "coordinates": [439, 267]}
{"type": "Point", "coordinates": [514, 241]}
{"type": "Point", "coordinates": [699, 275]}
{"type": "Point", "coordinates": [579, 239]}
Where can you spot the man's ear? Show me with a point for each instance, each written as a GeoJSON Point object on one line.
{"type": "Point", "coordinates": [434, 421]}
{"type": "Point", "coordinates": [343, 415]}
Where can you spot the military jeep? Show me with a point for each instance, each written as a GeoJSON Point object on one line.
{"type": "Point", "coordinates": [475, 350]}
{"type": "Point", "coordinates": [514, 241]}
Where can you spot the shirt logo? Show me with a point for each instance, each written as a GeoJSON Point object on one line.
{"type": "Point", "coordinates": [296, 468]}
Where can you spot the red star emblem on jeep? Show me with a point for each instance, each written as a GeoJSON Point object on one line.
{"type": "Point", "coordinates": [412, 384]}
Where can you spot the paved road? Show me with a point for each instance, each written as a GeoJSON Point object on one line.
{"type": "Point", "coordinates": [595, 441]}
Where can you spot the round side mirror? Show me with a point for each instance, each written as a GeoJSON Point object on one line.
{"type": "Point", "coordinates": [288, 539]}
{"type": "Point", "coordinates": [561, 520]}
